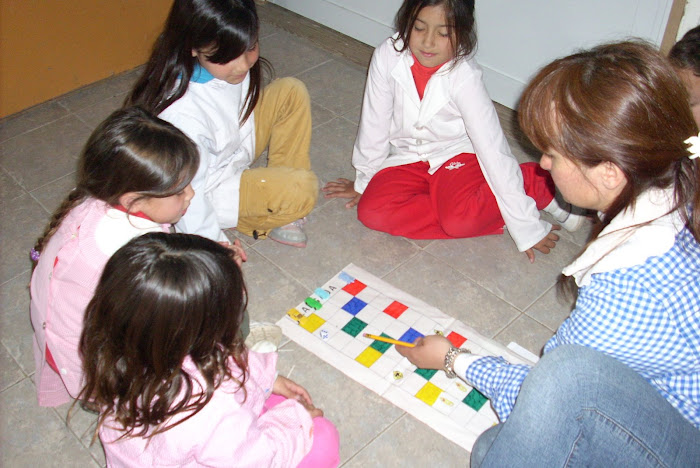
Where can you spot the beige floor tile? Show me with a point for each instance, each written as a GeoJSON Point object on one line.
{"type": "Point", "coordinates": [551, 309]}
{"type": "Point", "coordinates": [528, 333]}
{"type": "Point", "coordinates": [430, 280]}
{"type": "Point", "coordinates": [331, 150]}
{"type": "Point", "coordinates": [10, 372]}
{"type": "Point", "coordinates": [9, 189]}
{"type": "Point", "coordinates": [15, 324]}
{"type": "Point", "coordinates": [291, 55]}
{"type": "Point", "coordinates": [336, 85]}
{"type": "Point", "coordinates": [271, 290]}
{"type": "Point", "coordinates": [43, 155]}
{"type": "Point", "coordinates": [336, 238]}
{"type": "Point", "coordinates": [407, 443]}
{"type": "Point", "coordinates": [35, 436]}
{"type": "Point", "coordinates": [97, 92]}
{"type": "Point", "coordinates": [30, 119]}
{"type": "Point", "coordinates": [93, 115]}
{"type": "Point", "coordinates": [494, 263]}
{"type": "Point", "coordinates": [359, 413]}
{"type": "Point", "coordinates": [23, 222]}
{"type": "Point", "coordinates": [353, 114]}
{"type": "Point", "coordinates": [51, 195]}
{"type": "Point", "coordinates": [319, 116]}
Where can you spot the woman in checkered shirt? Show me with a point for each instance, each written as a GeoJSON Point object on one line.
{"type": "Point", "coordinates": [619, 382]}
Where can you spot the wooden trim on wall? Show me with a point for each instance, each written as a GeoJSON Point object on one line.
{"type": "Point", "coordinates": [674, 22]}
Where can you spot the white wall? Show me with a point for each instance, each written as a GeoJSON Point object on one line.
{"type": "Point", "coordinates": [516, 37]}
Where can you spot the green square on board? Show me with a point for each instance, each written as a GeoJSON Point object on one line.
{"type": "Point", "coordinates": [475, 399]}
{"type": "Point", "coordinates": [380, 345]}
{"type": "Point", "coordinates": [354, 327]}
{"type": "Point", "coordinates": [427, 374]}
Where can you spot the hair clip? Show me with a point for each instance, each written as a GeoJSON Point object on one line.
{"type": "Point", "coordinates": [34, 255]}
{"type": "Point", "coordinates": [694, 150]}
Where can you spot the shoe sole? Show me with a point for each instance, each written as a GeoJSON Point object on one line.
{"type": "Point", "coordinates": [300, 245]}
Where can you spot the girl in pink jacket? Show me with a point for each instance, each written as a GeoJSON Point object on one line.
{"type": "Point", "coordinates": [169, 373]}
{"type": "Point", "coordinates": [134, 177]}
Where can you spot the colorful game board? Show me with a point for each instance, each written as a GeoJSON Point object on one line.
{"type": "Point", "coordinates": [331, 322]}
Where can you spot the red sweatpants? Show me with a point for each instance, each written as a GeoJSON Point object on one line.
{"type": "Point", "coordinates": [454, 202]}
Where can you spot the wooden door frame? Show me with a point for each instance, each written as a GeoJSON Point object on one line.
{"type": "Point", "coordinates": [674, 22]}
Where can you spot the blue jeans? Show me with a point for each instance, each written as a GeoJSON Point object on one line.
{"type": "Point", "coordinates": [579, 407]}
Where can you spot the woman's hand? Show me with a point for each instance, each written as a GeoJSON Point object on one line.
{"type": "Point", "coordinates": [342, 188]}
{"type": "Point", "coordinates": [547, 243]}
{"type": "Point", "coordinates": [429, 352]}
{"type": "Point", "coordinates": [292, 390]}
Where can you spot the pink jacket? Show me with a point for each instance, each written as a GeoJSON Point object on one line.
{"type": "Point", "coordinates": [228, 431]}
{"type": "Point", "coordinates": [63, 283]}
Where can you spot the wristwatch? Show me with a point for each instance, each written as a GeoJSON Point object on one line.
{"type": "Point", "coordinates": [450, 360]}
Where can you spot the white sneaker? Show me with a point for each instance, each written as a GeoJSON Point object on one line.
{"type": "Point", "coordinates": [291, 234]}
{"type": "Point", "coordinates": [264, 337]}
{"type": "Point", "coordinates": [565, 217]}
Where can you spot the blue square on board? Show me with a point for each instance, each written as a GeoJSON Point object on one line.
{"type": "Point", "coordinates": [411, 335]}
{"type": "Point", "coordinates": [354, 305]}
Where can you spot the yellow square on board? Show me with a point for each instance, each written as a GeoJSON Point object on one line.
{"type": "Point", "coordinates": [311, 323]}
{"type": "Point", "coordinates": [368, 357]}
{"type": "Point", "coordinates": [429, 393]}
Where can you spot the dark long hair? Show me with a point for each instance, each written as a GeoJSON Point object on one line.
{"type": "Point", "coordinates": [130, 151]}
{"type": "Point", "coordinates": [460, 20]}
{"type": "Point", "coordinates": [224, 29]}
{"type": "Point", "coordinates": [685, 54]}
{"type": "Point", "coordinates": [620, 103]}
{"type": "Point", "coordinates": [162, 298]}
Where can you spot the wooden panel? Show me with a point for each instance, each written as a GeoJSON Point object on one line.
{"type": "Point", "coordinates": [50, 47]}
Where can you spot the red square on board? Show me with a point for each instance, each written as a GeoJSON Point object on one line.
{"type": "Point", "coordinates": [456, 339]}
{"type": "Point", "coordinates": [395, 309]}
{"type": "Point", "coordinates": [354, 287]}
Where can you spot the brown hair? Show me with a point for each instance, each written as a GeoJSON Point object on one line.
{"type": "Point", "coordinates": [460, 19]}
{"type": "Point", "coordinates": [621, 103]}
{"type": "Point", "coordinates": [162, 298]}
{"type": "Point", "coordinates": [130, 151]}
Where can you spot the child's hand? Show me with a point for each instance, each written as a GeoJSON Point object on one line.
{"type": "Point", "coordinates": [239, 255]}
{"type": "Point", "coordinates": [429, 352]}
{"type": "Point", "coordinates": [547, 243]}
{"type": "Point", "coordinates": [290, 389]}
{"type": "Point", "coordinates": [342, 188]}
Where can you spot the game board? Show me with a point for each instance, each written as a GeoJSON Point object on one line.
{"type": "Point", "coordinates": [330, 323]}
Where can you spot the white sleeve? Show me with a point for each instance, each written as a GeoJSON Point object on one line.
{"type": "Point", "coordinates": [500, 168]}
{"type": "Point", "coordinates": [372, 142]}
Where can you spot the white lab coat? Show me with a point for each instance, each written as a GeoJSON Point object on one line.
{"type": "Point", "coordinates": [208, 113]}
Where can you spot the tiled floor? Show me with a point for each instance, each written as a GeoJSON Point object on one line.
{"type": "Point", "coordinates": [484, 282]}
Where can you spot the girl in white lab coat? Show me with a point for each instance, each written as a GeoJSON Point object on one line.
{"type": "Point", "coordinates": [431, 158]}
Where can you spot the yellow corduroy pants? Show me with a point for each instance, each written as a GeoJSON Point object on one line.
{"type": "Point", "coordinates": [285, 190]}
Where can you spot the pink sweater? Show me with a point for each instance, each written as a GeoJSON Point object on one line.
{"type": "Point", "coordinates": [226, 432]}
{"type": "Point", "coordinates": [63, 283]}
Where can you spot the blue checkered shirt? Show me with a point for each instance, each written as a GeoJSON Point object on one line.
{"type": "Point", "coordinates": [646, 316]}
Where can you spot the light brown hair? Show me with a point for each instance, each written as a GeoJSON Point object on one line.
{"type": "Point", "coordinates": [621, 103]}
{"type": "Point", "coordinates": [130, 151]}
